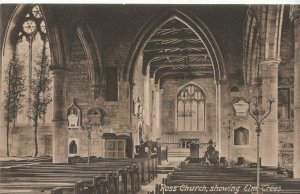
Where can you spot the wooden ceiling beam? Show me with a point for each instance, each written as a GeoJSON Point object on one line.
{"type": "Point", "coordinates": [176, 36]}
{"type": "Point", "coordinates": [183, 74]}
{"type": "Point", "coordinates": [191, 64]}
{"type": "Point", "coordinates": [163, 48]}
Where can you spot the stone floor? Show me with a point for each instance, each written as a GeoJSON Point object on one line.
{"type": "Point", "coordinates": [172, 162]}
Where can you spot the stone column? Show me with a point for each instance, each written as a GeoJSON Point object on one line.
{"type": "Point", "coordinates": [60, 129]}
{"type": "Point", "coordinates": [296, 19]}
{"type": "Point", "coordinates": [147, 103]}
{"type": "Point", "coordinates": [269, 134]}
{"type": "Point", "coordinates": [156, 122]}
{"type": "Point", "coordinates": [218, 120]}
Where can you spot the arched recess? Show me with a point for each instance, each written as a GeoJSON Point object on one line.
{"type": "Point", "coordinates": [241, 136]}
{"type": "Point", "coordinates": [197, 26]}
{"type": "Point", "coordinates": [15, 34]}
{"type": "Point", "coordinates": [55, 40]}
{"type": "Point", "coordinates": [94, 61]}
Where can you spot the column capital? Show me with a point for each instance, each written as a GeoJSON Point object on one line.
{"type": "Point", "coordinates": [270, 64]}
{"type": "Point", "coordinates": [295, 14]}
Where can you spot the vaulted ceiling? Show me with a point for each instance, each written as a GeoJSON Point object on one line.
{"type": "Point", "coordinates": [175, 51]}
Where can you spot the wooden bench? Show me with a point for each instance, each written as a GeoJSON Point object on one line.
{"type": "Point", "coordinates": [111, 177]}
{"type": "Point", "coordinates": [216, 177]}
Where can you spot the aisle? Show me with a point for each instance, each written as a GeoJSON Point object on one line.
{"type": "Point", "coordinates": [172, 162]}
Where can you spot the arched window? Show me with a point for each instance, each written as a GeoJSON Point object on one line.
{"type": "Point", "coordinates": [190, 109]}
{"type": "Point", "coordinates": [31, 46]}
{"type": "Point", "coordinates": [73, 147]}
{"type": "Point", "coordinates": [241, 136]}
{"type": "Point", "coordinates": [234, 89]}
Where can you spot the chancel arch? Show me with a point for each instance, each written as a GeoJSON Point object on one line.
{"type": "Point", "coordinates": [93, 58]}
{"type": "Point", "coordinates": [197, 27]}
{"type": "Point", "coordinates": [176, 48]}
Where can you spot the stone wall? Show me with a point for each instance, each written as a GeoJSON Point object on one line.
{"type": "Point", "coordinates": [138, 93]}
{"type": "Point", "coordinates": [228, 114]}
{"type": "Point", "coordinates": [169, 95]}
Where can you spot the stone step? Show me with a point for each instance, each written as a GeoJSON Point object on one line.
{"type": "Point", "coordinates": [178, 152]}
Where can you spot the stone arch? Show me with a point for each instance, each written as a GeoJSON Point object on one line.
{"type": "Point", "coordinates": [73, 147]}
{"type": "Point", "coordinates": [13, 32]}
{"type": "Point", "coordinates": [94, 61]}
{"type": "Point", "coordinates": [234, 88]}
{"type": "Point", "coordinates": [57, 56]}
{"type": "Point", "coordinates": [192, 83]}
{"type": "Point", "coordinates": [252, 50]}
{"type": "Point", "coordinates": [262, 37]}
{"type": "Point", "coordinates": [197, 26]}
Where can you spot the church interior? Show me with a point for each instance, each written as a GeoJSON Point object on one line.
{"type": "Point", "coordinates": [102, 98]}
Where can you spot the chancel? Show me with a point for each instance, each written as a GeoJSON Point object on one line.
{"type": "Point", "coordinates": [111, 98]}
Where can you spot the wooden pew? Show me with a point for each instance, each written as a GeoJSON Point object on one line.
{"type": "Point", "coordinates": [102, 183]}
{"type": "Point", "coordinates": [194, 175]}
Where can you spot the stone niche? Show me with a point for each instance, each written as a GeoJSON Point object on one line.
{"type": "Point", "coordinates": [74, 116]}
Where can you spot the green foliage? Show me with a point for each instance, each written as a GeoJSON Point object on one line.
{"type": "Point", "coordinates": [14, 79]}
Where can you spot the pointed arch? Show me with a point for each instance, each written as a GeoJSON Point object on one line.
{"type": "Point", "coordinates": [27, 37]}
{"type": "Point", "coordinates": [190, 108]}
{"type": "Point", "coordinates": [192, 83]}
{"type": "Point", "coordinates": [262, 38]}
{"type": "Point", "coordinates": [198, 27]}
{"type": "Point", "coordinates": [252, 50]}
{"type": "Point", "coordinates": [54, 36]}
{"type": "Point", "coordinates": [241, 136]}
{"type": "Point", "coordinates": [95, 65]}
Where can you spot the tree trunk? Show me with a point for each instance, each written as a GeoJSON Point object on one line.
{"type": "Point", "coordinates": [7, 139]}
{"type": "Point", "coordinates": [35, 139]}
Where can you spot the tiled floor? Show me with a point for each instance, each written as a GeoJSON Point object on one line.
{"type": "Point", "coordinates": [172, 162]}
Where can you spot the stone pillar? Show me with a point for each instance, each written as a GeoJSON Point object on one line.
{"type": "Point", "coordinates": [156, 122]}
{"type": "Point", "coordinates": [218, 120]}
{"type": "Point", "coordinates": [60, 129]}
{"type": "Point", "coordinates": [269, 134]}
{"type": "Point", "coordinates": [147, 101]}
{"type": "Point", "coordinates": [296, 19]}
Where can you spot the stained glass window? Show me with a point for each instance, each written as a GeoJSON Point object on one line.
{"type": "Point", "coordinates": [31, 39]}
{"type": "Point", "coordinates": [190, 109]}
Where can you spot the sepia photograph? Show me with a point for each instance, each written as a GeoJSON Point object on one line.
{"type": "Point", "coordinates": [149, 98]}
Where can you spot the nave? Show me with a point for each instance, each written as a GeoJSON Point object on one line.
{"type": "Point", "coordinates": [117, 79]}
